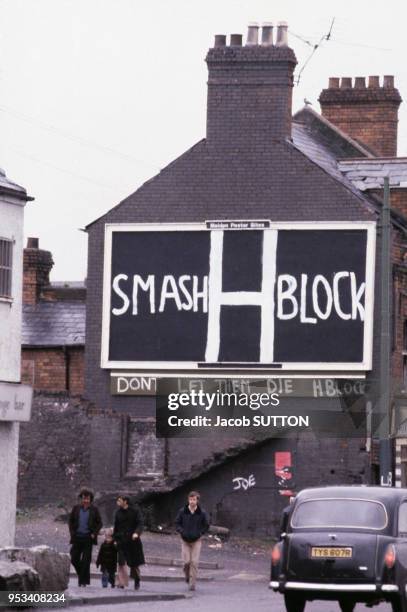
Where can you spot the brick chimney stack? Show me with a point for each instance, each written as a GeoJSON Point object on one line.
{"type": "Point", "coordinates": [250, 89]}
{"type": "Point", "coordinates": [369, 114]}
{"type": "Point", "coordinates": [37, 266]}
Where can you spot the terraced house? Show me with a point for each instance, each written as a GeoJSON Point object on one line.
{"type": "Point", "coordinates": [254, 256]}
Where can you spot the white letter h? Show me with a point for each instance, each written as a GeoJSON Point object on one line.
{"type": "Point", "coordinates": [263, 298]}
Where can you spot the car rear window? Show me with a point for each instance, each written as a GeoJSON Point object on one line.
{"type": "Point", "coordinates": [358, 513]}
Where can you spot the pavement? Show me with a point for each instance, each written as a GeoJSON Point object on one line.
{"type": "Point", "coordinates": [237, 593]}
{"type": "Point", "coordinates": [162, 580]}
{"type": "Point", "coordinates": [219, 589]}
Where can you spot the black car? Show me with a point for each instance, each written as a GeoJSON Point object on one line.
{"type": "Point", "coordinates": [344, 543]}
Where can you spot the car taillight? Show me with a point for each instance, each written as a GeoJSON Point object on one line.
{"type": "Point", "coordinates": [390, 556]}
{"type": "Point", "coordinates": [275, 555]}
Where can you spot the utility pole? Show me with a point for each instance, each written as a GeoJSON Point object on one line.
{"type": "Point", "coordinates": [385, 394]}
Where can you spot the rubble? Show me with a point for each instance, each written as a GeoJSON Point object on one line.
{"type": "Point", "coordinates": [51, 567]}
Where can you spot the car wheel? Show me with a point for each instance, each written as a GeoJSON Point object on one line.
{"type": "Point", "coordinates": [346, 606]}
{"type": "Point", "coordinates": [294, 602]}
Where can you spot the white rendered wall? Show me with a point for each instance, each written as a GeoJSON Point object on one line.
{"type": "Point", "coordinates": [11, 227]}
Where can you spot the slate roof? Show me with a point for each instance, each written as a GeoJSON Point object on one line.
{"type": "Point", "coordinates": [325, 132]}
{"type": "Point", "coordinates": [324, 156]}
{"type": "Point", "coordinates": [7, 186]}
{"type": "Point", "coordinates": [60, 323]}
{"type": "Point", "coordinates": [318, 153]}
{"type": "Point", "coordinates": [369, 173]}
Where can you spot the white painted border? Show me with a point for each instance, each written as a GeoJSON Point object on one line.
{"type": "Point", "coordinates": [235, 375]}
{"type": "Point", "coordinates": [366, 364]}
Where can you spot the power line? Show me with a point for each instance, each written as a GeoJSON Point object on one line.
{"type": "Point", "coordinates": [307, 40]}
{"type": "Point", "coordinates": [349, 44]}
{"type": "Point", "coordinates": [304, 40]}
{"type": "Point", "coordinates": [64, 170]}
{"type": "Point", "coordinates": [83, 141]}
{"type": "Point", "coordinates": [314, 49]}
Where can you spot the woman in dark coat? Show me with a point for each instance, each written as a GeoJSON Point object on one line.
{"type": "Point", "coordinates": [128, 526]}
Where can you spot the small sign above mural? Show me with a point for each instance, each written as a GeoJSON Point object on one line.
{"type": "Point", "coordinates": [295, 296]}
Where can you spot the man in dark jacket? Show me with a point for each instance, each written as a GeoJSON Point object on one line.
{"type": "Point", "coordinates": [84, 526]}
{"type": "Point", "coordinates": [128, 526]}
{"type": "Point", "coordinates": [191, 523]}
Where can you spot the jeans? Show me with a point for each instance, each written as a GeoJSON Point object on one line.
{"type": "Point", "coordinates": [108, 577]}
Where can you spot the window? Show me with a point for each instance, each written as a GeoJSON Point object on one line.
{"type": "Point", "coordinates": [6, 258]}
{"type": "Point", "coordinates": [335, 513]}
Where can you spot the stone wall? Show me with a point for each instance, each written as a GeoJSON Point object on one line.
{"type": "Point", "coordinates": [54, 456]}
{"type": "Point", "coordinates": [248, 492]}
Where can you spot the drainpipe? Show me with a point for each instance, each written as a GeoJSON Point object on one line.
{"type": "Point", "coordinates": [67, 368]}
{"type": "Point", "coordinates": [385, 454]}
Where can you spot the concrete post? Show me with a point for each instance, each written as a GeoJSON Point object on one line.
{"type": "Point", "coordinates": [9, 432]}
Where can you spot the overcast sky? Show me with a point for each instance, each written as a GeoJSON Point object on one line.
{"type": "Point", "coordinates": [97, 95]}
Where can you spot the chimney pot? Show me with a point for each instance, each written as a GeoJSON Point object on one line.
{"type": "Point", "coordinates": [220, 40]}
{"type": "Point", "coordinates": [282, 34]}
{"type": "Point", "coordinates": [260, 109]}
{"type": "Point", "coordinates": [267, 34]}
{"type": "Point", "coordinates": [360, 83]}
{"type": "Point", "coordinates": [333, 83]}
{"type": "Point", "coordinates": [388, 81]}
{"type": "Point", "coordinates": [346, 83]}
{"type": "Point", "coordinates": [33, 243]}
{"type": "Point", "coordinates": [252, 34]}
{"type": "Point", "coordinates": [374, 82]}
{"type": "Point", "coordinates": [367, 114]}
{"type": "Point", "coordinates": [236, 40]}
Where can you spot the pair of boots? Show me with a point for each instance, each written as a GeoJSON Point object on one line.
{"type": "Point", "coordinates": [135, 574]}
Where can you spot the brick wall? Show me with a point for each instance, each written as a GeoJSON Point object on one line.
{"type": "Point", "coordinates": [398, 199]}
{"type": "Point", "coordinates": [367, 114]}
{"type": "Point", "coordinates": [76, 379]}
{"type": "Point", "coordinates": [54, 369]}
{"type": "Point", "coordinates": [37, 265]}
{"type": "Point", "coordinates": [44, 369]}
{"type": "Point", "coordinates": [249, 95]}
